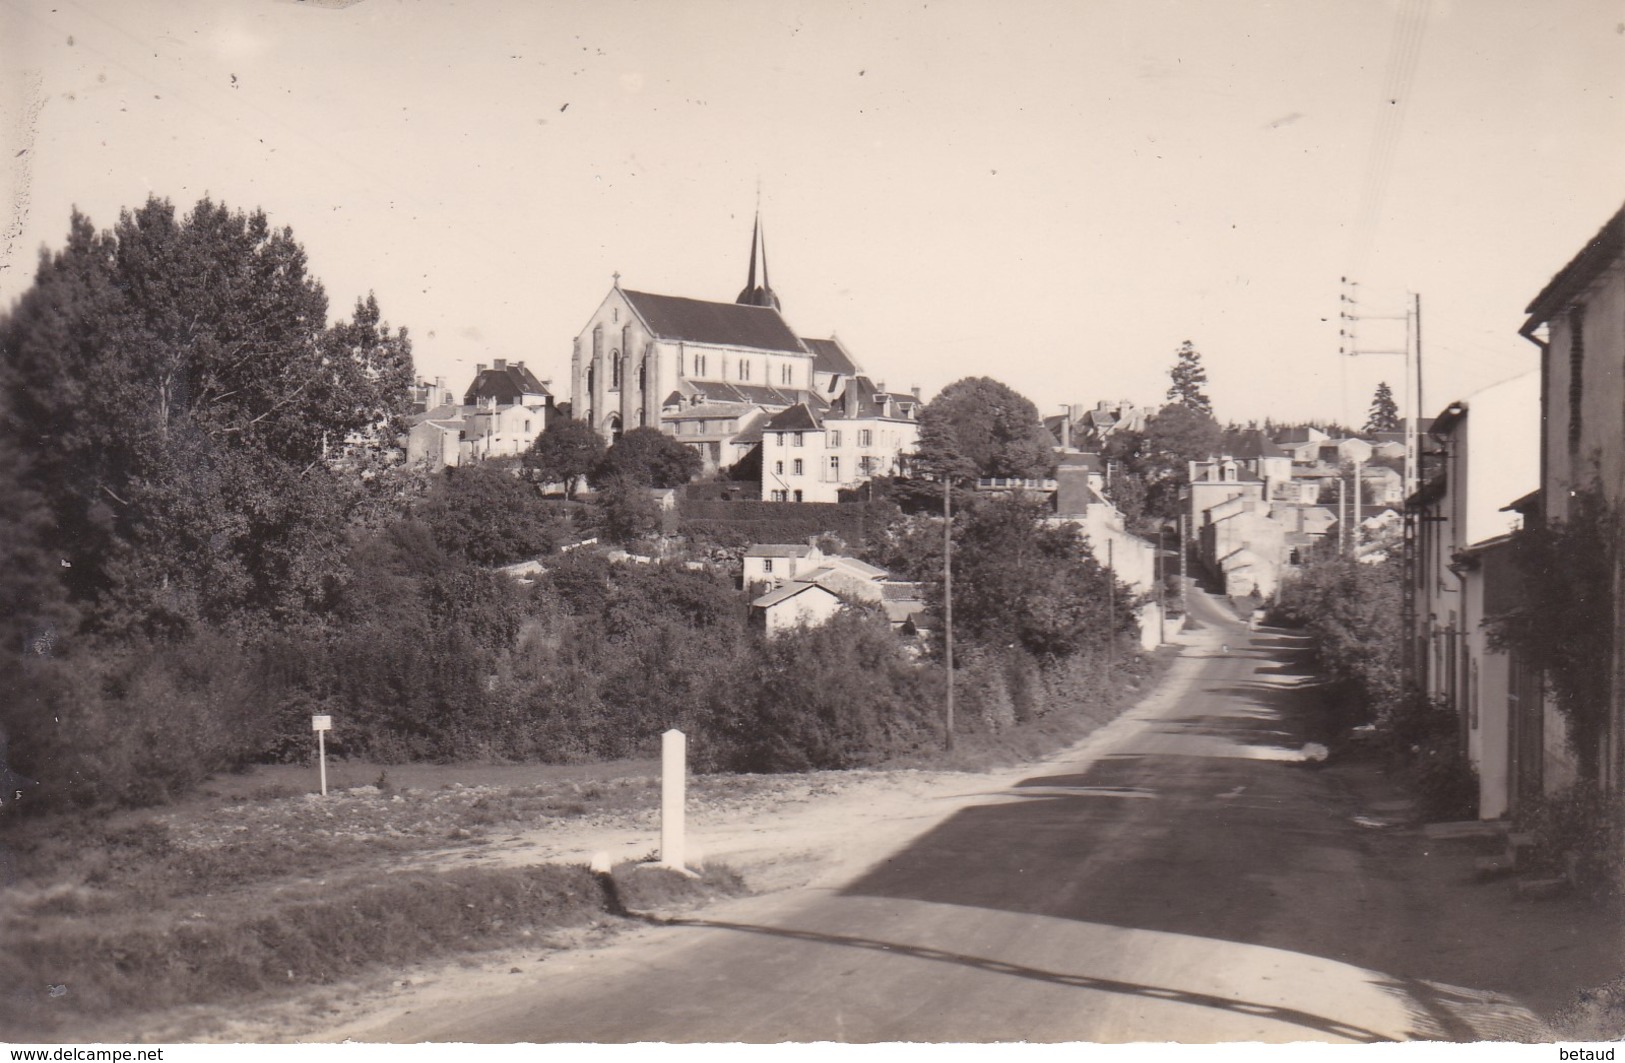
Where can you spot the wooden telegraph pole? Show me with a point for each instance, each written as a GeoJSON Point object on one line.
{"type": "Point", "coordinates": [948, 601]}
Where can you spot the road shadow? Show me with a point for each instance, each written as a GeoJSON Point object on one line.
{"type": "Point", "coordinates": [1293, 1016]}
{"type": "Point", "coordinates": [1228, 840]}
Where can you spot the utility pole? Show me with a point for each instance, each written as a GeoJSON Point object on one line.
{"type": "Point", "coordinates": [1184, 554]}
{"type": "Point", "coordinates": [1349, 315]}
{"type": "Point", "coordinates": [948, 601]}
{"type": "Point", "coordinates": [1349, 346]}
{"type": "Point", "coordinates": [1111, 607]}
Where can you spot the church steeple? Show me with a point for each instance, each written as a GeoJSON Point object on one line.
{"type": "Point", "coordinates": [754, 294]}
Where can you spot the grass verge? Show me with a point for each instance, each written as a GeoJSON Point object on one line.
{"type": "Point", "coordinates": [64, 968]}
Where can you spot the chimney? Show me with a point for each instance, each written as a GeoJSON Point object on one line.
{"type": "Point", "coordinates": [1066, 428]}
{"type": "Point", "coordinates": [500, 364]}
{"type": "Point", "coordinates": [479, 368]}
{"type": "Point", "coordinates": [916, 390]}
{"type": "Point", "coordinates": [519, 364]}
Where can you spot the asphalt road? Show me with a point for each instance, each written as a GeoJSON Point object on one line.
{"type": "Point", "coordinates": [1192, 874]}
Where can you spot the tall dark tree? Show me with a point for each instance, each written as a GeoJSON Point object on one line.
{"type": "Point", "coordinates": [1384, 415]}
{"type": "Point", "coordinates": [178, 384]}
{"type": "Point", "coordinates": [1189, 380]}
{"type": "Point", "coordinates": [648, 457]}
{"type": "Point", "coordinates": [978, 426]}
{"type": "Point", "coordinates": [566, 451]}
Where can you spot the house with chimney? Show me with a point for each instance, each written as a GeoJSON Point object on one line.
{"type": "Point", "coordinates": [812, 456]}
{"type": "Point", "coordinates": [503, 410]}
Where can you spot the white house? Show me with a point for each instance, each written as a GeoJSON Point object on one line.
{"type": "Point", "coordinates": [794, 605]}
{"type": "Point", "coordinates": [1491, 458]}
{"type": "Point", "coordinates": [808, 456]}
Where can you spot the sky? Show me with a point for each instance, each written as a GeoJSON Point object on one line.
{"type": "Point", "coordinates": [1054, 194]}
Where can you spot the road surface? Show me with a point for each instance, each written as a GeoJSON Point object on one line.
{"type": "Point", "coordinates": [1190, 874]}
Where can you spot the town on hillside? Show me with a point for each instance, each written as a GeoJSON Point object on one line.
{"type": "Point", "coordinates": [1140, 572]}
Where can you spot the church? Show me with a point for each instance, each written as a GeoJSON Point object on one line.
{"type": "Point", "coordinates": [710, 374]}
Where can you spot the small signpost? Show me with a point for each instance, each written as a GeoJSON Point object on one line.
{"type": "Point", "coordinates": [321, 725]}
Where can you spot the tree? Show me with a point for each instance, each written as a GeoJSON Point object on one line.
{"type": "Point", "coordinates": [648, 457]}
{"type": "Point", "coordinates": [1019, 581]}
{"type": "Point", "coordinates": [626, 512]}
{"type": "Point", "coordinates": [1189, 379]}
{"type": "Point", "coordinates": [1384, 415]}
{"type": "Point", "coordinates": [566, 451]}
{"type": "Point", "coordinates": [1152, 465]}
{"type": "Point", "coordinates": [183, 396]}
{"type": "Point", "coordinates": [489, 516]}
{"type": "Point", "coordinates": [978, 426]}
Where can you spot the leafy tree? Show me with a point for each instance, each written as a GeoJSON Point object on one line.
{"type": "Point", "coordinates": [626, 512]}
{"type": "Point", "coordinates": [978, 426]}
{"type": "Point", "coordinates": [488, 516]}
{"type": "Point", "coordinates": [1384, 415]}
{"type": "Point", "coordinates": [1017, 580]}
{"type": "Point", "coordinates": [183, 396]}
{"type": "Point", "coordinates": [1188, 380]}
{"type": "Point", "coordinates": [566, 451]}
{"type": "Point", "coordinates": [648, 457]}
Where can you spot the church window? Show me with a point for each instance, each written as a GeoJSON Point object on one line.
{"type": "Point", "coordinates": [795, 468]}
{"type": "Point", "coordinates": [614, 369]}
{"type": "Point", "coordinates": [643, 374]}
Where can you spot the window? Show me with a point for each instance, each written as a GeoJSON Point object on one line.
{"type": "Point", "coordinates": [767, 564]}
{"type": "Point", "coordinates": [795, 439]}
{"type": "Point", "coordinates": [835, 468]}
{"type": "Point", "coordinates": [866, 438]}
{"type": "Point", "coordinates": [778, 468]}
{"type": "Point", "coordinates": [834, 438]}
{"type": "Point", "coordinates": [699, 365]}
{"type": "Point", "coordinates": [786, 374]}
{"type": "Point", "coordinates": [796, 468]}
{"type": "Point", "coordinates": [867, 465]}
{"type": "Point", "coordinates": [780, 438]}
{"type": "Point", "coordinates": [781, 496]}
{"type": "Point", "coordinates": [797, 496]}
{"type": "Point", "coordinates": [744, 369]}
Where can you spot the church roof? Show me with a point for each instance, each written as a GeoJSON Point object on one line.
{"type": "Point", "coordinates": [830, 357]}
{"type": "Point", "coordinates": [672, 317]}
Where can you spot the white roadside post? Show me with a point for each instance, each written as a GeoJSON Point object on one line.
{"type": "Point", "coordinates": [321, 725]}
{"type": "Point", "coordinates": [673, 793]}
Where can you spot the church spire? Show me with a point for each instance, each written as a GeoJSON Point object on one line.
{"type": "Point", "coordinates": [753, 294]}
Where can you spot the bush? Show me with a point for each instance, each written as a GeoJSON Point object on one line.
{"type": "Point", "coordinates": [135, 726]}
{"type": "Point", "coordinates": [1423, 736]}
